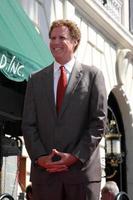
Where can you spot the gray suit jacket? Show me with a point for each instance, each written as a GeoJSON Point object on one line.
{"type": "Point", "coordinates": [78, 128]}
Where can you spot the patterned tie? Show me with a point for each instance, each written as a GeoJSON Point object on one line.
{"type": "Point", "coordinates": [62, 83]}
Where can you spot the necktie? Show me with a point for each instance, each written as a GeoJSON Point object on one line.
{"type": "Point", "coordinates": [61, 87]}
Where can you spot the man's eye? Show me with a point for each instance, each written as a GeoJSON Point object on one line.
{"type": "Point", "coordinates": [52, 38]}
{"type": "Point", "coordinates": [63, 38]}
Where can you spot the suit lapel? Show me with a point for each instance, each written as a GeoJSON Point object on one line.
{"type": "Point", "coordinates": [72, 84]}
{"type": "Point", "coordinates": [48, 81]}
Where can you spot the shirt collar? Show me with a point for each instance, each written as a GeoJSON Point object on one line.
{"type": "Point", "coordinates": [68, 66]}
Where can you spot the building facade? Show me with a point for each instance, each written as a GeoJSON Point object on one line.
{"type": "Point", "coordinates": [106, 42]}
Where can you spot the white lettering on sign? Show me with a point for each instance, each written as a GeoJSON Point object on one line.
{"type": "Point", "coordinates": [14, 67]}
{"type": "Point", "coordinates": [3, 61]}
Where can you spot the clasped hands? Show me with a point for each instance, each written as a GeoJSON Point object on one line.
{"type": "Point", "coordinates": [66, 160]}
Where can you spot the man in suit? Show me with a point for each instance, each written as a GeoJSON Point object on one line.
{"type": "Point", "coordinates": [64, 145]}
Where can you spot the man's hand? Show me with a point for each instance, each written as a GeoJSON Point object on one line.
{"type": "Point", "coordinates": [44, 160]}
{"type": "Point", "coordinates": [66, 160]}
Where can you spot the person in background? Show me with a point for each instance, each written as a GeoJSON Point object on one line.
{"type": "Point", "coordinates": [28, 192]}
{"type": "Point", "coordinates": [64, 120]}
{"type": "Point", "coordinates": [109, 191]}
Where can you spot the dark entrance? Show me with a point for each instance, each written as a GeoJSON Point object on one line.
{"type": "Point", "coordinates": [120, 177]}
{"type": "Point", "coordinates": [11, 106]}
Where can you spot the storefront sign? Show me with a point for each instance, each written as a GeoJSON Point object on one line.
{"type": "Point", "coordinates": [11, 67]}
{"type": "Point", "coordinates": [14, 66]}
{"type": "Point", "coordinates": [18, 67]}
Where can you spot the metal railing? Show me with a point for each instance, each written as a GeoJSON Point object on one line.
{"type": "Point", "coordinates": [6, 196]}
{"type": "Point", "coordinates": [122, 196]}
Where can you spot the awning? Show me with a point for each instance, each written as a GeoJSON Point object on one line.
{"type": "Point", "coordinates": [22, 50]}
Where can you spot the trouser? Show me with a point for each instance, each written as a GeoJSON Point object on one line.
{"type": "Point", "coordinates": [63, 191]}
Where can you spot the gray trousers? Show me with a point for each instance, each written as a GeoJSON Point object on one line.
{"type": "Point", "coordinates": [63, 191]}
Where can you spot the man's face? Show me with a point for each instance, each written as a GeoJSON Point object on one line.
{"type": "Point", "coordinates": [61, 44]}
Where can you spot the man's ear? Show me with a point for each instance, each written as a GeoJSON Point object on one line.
{"type": "Point", "coordinates": [75, 43]}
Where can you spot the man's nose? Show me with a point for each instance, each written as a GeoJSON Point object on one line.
{"type": "Point", "coordinates": [57, 40]}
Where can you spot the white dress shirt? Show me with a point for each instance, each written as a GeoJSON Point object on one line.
{"type": "Point", "coordinates": [68, 68]}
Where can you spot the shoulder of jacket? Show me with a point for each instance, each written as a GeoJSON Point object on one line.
{"type": "Point", "coordinates": [37, 74]}
{"type": "Point", "coordinates": [90, 68]}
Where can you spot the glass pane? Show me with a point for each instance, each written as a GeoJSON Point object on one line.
{"type": "Point", "coordinates": [108, 146]}
{"type": "Point", "coordinates": [116, 146]}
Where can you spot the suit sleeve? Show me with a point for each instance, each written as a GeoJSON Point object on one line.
{"type": "Point", "coordinates": [97, 118]}
{"type": "Point", "coordinates": [29, 125]}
